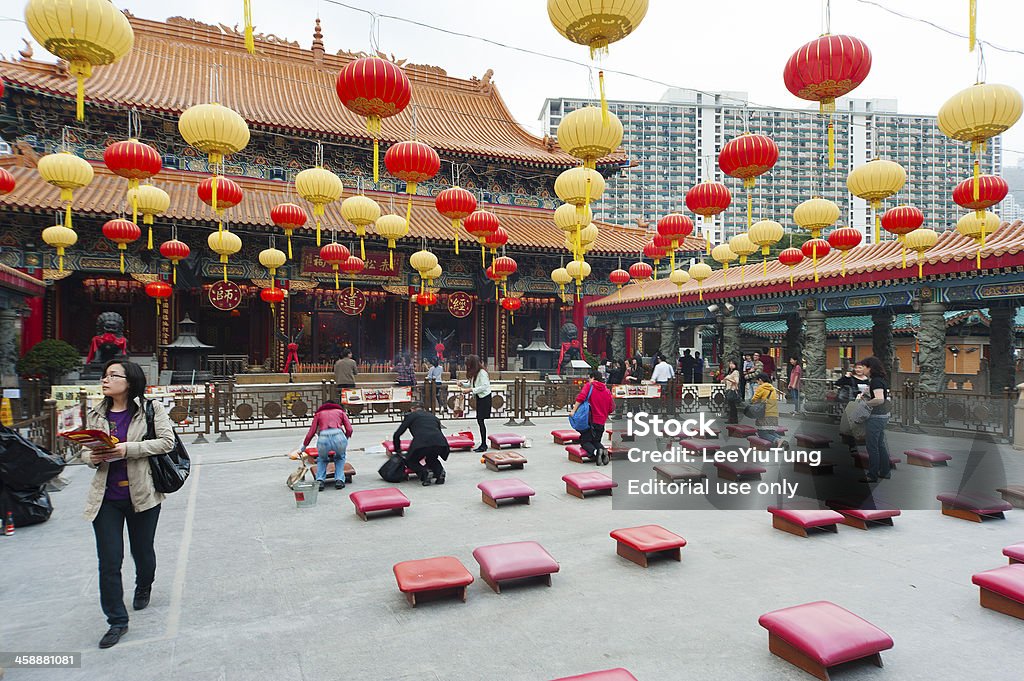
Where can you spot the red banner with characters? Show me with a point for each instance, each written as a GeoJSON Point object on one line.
{"type": "Point", "coordinates": [378, 267]}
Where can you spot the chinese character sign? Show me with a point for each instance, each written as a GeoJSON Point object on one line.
{"type": "Point", "coordinates": [460, 304]}
{"type": "Point", "coordinates": [225, 295]}
{"type": "Point", "coordinates": [351, 302]}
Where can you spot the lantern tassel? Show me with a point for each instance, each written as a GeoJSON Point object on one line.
{"type": "Point", "coordinates": [80, 70]}
{"type": "Point", "coordinates": [408, 210]}
{"type": "Point", "coordinates": [60, 260]}
{"type": "Point", "coordinates": [791, 277]}
{"type": "Point", "coordinates": [250, 42]}
{"type": "Point", "coordinates": [483, 256]}
{"type": "Point", "coordinates": [842, 259]}
{"type": "Point", "coordinates": [750, 209]}
{"type": "Point", "coordinates": [831, 145]}
{"type": "Point", "coordinates": [362, 248]}
{"type": "Point", "coordinates": [225, 269]}
{"type": "Point", "coordinates": [121, 253]}
{"type": "Point", "coordinates": [289, 246]}
{"type": "Point", "coordinates": [977, 178]}
{"type": "Point", "coordinates": [455, 228]}
{"type": "Point", "coordinates": [67, 216]}
{"type": "Point", "coordinates": [213, 194]}
{"type": "Point", "coordinates": [352, 287]}
{"type": "Point", "coordinates": [973, 19]}
{"type": "Point", "coordinates": [174, 273]}
{"type": "Point", "coordinates": [878, 227]}
{"type": "Point", "coordinates": [391, 259]}
{"type": "Point", "coordinates": [707, 243]}
{"type": "Point", "coordinates": [376, 161]}
{"type": "Point", "coordinates": [318, 229]}
{"type": "Point", "coordinates": [764, 264]}
{"type": "Point", "coordinates": [149, 240]}
{"type": "Point", "coordinates": [903, 252]}
{"type": "Point", "coordinates": [920, 265]}
{"type": "Point", "coordinates": [336, 284]}
{"type": "Point", "coordinates": [604, 100]}
{"type": "Point", "coordinates": [700, 292]}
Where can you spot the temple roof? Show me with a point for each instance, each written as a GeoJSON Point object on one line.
{"type": "Point", "coordinates": [903, 324]}
{"type": "Point", "coordinates": [287, 88]}
{"type": "Point", "coordinates": [15, 280]}
{"type": "Point", "coordinates": [528, 228]}
{"type": "Point", "coordinates": [865, 264]}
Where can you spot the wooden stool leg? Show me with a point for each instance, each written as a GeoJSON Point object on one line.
{"type": "Point", "coordinates": [631, 554]}
{"type": "Point", "coordinates": [786, 526]}
{"type": "Point", "coordinates": [790, 654]}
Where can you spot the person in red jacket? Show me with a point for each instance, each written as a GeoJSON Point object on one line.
{"type": "Point", "coordinates": [332, 430]}
{"type": "Point", "coordinates": [601, 405]}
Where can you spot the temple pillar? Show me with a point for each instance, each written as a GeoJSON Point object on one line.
{"type": "Point", "coordinates": [669, 345]}
{"type": "Point", "coordinates": [881, 341]}
{"type": "Point", "coordinates": [794, 341]}
{"type": "Point", "coordinates": [932, 342]}
{"type": "Point", "coordinates": [814, 360]}
{"type": "Point", "coordinates": [731, 340]}
{"type": "Point", "coordinates": [8, 347]}
{"type": "Point", "coordinates": [619, 350]}
{"type": "Point", "coordinates": [1002, 368]}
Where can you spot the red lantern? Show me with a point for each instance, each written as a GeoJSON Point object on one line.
{"type": "Point", "coordinates": [901, 221]}
{"type": "Point", "coordinates": [480, 224]}
{"type": "Point", "coordinates": [620, 278]}
{"type": "Point", "coordinates": [229, 194]}
{"type": "Point", "coordinates": [121, 232]}
{"type": "Point", "coordinates": [844, 239]}
{"type": "Point", "coordinates": [655, 253]}
{"type": "Point", "coordinates": [495, 240]}
{"type": "Point", "coordinates": [455, 203]}
{"type": "Point", "coordinates": [288, 217]}
{"type": "Point", "coordinates": [175, 251]}
{"type": "Point", "coordinates": [814, 249]}
{"type": "Point", "coordinates": [272, 295]}
{"type": "Point", "coordinates": [504, 267]}
{"type": "Point", "coordinates": [791, 257]}
{"type": "Point", "coordinates": [746, 157]}
{"type": "Point", "coordinates": [6, 182]}
{"type": "Point", "coordinates": [158, 290]}
{"type": "Point", "coordinates": [641, 271]}
{"type": "Point", "coordinates": [334, 254]}
{"type": "Point", "coordinates": [991, 190]}
{"type": "Point", "coordinates": [708, 199]}
{"type": "Point", "coordinates": [675, 227]}
{"type": "Point", "coordinates": [426, 299]}
{"type": "Point", "coordinates": [511, 304]}
{"type": "Point", "coordinates": [374, 88]}
{"type": "Point", "coordinates": [826, 68]}
{"type": "Point", "coordinates": [412, 162]}
{"type": "Point", "coordinates": [132, 160]}
{"type": "Point", "coordinates": [493, 276]}
{"type": "Point", "coordinates": [353, 265]}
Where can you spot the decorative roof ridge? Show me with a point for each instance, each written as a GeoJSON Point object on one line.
{"type": "Point", "coordinates": [18, 274]}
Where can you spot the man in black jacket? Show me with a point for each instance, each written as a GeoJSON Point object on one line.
{"type": "Point", "coordinates": [428, 443]}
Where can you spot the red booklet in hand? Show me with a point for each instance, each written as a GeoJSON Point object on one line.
{"type": "Point", "coordinates": [93, 439]}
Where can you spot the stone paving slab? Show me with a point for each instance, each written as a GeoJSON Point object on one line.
{"type": "Point", "coordinates": [250, 587]}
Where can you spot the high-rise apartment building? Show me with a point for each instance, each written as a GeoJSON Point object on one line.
{"type": "Point", "coordinates": [675, 142]}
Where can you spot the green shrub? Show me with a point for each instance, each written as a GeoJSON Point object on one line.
{"type": "Point", "coordinates": [49, 358]}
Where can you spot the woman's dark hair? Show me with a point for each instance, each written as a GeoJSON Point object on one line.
{"type": "Point", "coordinates": [346, 353]}
{"type": "Point", "coordinates": [764, 378]}
{"type": "Point", "coordinates": [136, 384]}
{"type": "Point", "coordinates": [795, 360]}
{"type": "Point", "coordinates": [733, 363]}
{"type": "Point", "coordinates": [473, 366]}
{"type": "Point", "coordinates": [596, 375]}
{"type": "Point", "coordinates": [875, 367]}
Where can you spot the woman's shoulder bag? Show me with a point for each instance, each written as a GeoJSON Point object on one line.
{"type": "Point", "coordinates": [169, 470]}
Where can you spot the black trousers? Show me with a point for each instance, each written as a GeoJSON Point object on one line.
{"type": "Point", "coordinates": [109, 529]}
{"type": "Point", "coordinates": [590, 438]}
{"type": "Point", "coordinates": [432, 456]}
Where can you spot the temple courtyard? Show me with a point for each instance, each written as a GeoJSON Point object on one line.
{"type": "Point", "coordinates": [251, 587]}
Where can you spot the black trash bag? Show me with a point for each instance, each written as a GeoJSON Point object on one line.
{"type": "Point", "coordinates": [23, 464]}
{"type": "Point", "coordinates": [27, 506]}
{"type": "Point", "coordinates": [393, 469]}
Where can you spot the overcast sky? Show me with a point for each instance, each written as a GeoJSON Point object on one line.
{"type": "Point", "coordinates": [719, 45]}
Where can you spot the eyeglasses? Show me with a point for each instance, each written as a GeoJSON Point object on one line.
{"type": "Point", "coordinates": [114, 376]}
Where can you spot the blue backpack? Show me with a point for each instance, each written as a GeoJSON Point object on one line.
{"type": "Point", "coordinates": [580, 419]}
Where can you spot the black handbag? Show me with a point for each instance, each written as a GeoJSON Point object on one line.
{"type": "Point", "coordinates": [393, 469]}
{"type": "Point", "coordinates": [755, 410]}
{"type": "Point", "coordinates": [169, 470]}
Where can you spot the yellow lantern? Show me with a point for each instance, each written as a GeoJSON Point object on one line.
{"type": "Point", "coordinates": [742, 246]}
{"type": "Point", "coordinates": [319, 186]}
{"type": "Point", "coordinates": [423, 261]}
{"type": "Point", "coordinates": [921, 240]}
{"type": "Point", "coordinates": [815, 215]}
{"type": "Point", "coordinates": [679, 277]}
{"type": "Point", "coordinates": [579, 186]}
{"type": "Point", "coordinates": [216, 131]}
{"type": "Point", "coordinates": [874, 181]}
{"type": "Point", "coordinates": [67, 172]}
{"type": "Point", "coordinates": [766, 233]}
{"type": "Point", "coordinates": [60, 237]}
{"type": "Point", "coordinates": [84, 33]}
{"type": "Point", "coordinates": [578, 270]}
{"type": "Point", "coordinates": [724, 255]}
{"type": "Point", "coordinates": [699, 271]}
{"type": "Point", "coordinates": [977, 228]}
{"type": "Point", "coordinates": [224, 244]}
{"type": "Point", "coordinates": [977, 113]}
{"type": "Point", "coordinates": [583, 134]}
{"type": "Point", "coordinates": [272, 259]}
{"type": "Point", "coordinates": [568, 217]}
{"type": "Point", "coordinates": [561, 276]}
{"type": "Point", "coordinates": [361, 212]}
{"type": "Point", "coordinates": [392, 228]}
{"type": "Point", "coordinates": [150, 201]}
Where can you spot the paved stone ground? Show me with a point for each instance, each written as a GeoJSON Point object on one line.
{"type": "Point", "coordinates": [250, 587]}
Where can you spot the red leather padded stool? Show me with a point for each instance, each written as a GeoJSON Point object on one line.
{"type": "Point", "coordinates": [812, 440]}
{"type": "Point", "coordinates": [1015, 552]}
{"type": "Point", "coordinates": [577, 454]}
{"type": "Point", "coordinates": [578, 484]}
{"type": "Point", "coordinates": [819, 635]}
{"type": "Point", "coordinates": [973, 507]}
{"type": "Point", "coordinates": [860, 460]}
{"type": "Point", "coordinates": [312, 454]}
{"type": "Point", "coordinates": [671, 472]}
{"type": "Point", "coordinates": [738, 471]}
{"type": "Point", "coordinates": [638, 544]}
{"type": "Point", "coordinates": [617, 674]}
{"type": "Point", "coordinates": [389, 499]}
{"type": "Point", "coordinates": [493, 491]}
{"type": "Point", "coordinates": [926, 458]}
{"type": "Point", "coordinates": [517, 560]}
{"type": "Point", "coordinates": [740, 430]}
{"type": "Point", "coordinates": [565, 437]}
{"type": "Point", "coordinates": [500, 440]}
{"type": "Point", "coordinates": [432, 579]}
{"type": "Point", "coordinates": [862, 518]}
{"type": "Point", "coordinates": [389, 446]}
{"type": "Point", "coordinates": [798, 521]}
{"type": "Point", "coordinates": [495, 461]}
{"type": "Point", "coordinates": [1013, 494]}
{"type": "Point", "coordinates": [699, 448]}
{"type": "Point", "coordinates": [1002, 589]}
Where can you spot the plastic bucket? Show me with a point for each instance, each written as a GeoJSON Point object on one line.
{"type": "Point", "coordinates": [305, 493]}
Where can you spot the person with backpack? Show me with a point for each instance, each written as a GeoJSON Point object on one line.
{"type": "Point", "coordinates": [332, 430]}
{"type": "Point", "coordinates": [599, 404]}
{"type": "Point", "coordinates": [122, 490]}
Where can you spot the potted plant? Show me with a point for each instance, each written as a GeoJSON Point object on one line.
{"type": "Point", "coordinates": [50, 359]}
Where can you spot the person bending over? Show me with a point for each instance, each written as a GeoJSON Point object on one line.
{"type": "Point", "coordinates": [428, 444]}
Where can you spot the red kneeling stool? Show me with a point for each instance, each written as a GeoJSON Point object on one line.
{"type": "Point", "coordinates": [638, 544]}
{"type": "Point", "coordinates": [517, 560]}
{"type": "Point", "coordinates": [389, 499]}
{"type": "Point", "coordinates": [819, 635]}
{"type": "Point", "coordinates": [432, 579]}
{"type": "Point", "coordinates": [1002, 589]}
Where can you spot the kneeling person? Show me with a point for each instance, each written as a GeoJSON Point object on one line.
{"type": "Point", "coordinates": [428, 443]}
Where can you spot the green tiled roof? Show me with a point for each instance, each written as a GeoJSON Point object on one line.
{"type": "Point", "coordinates": [861, 325]}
